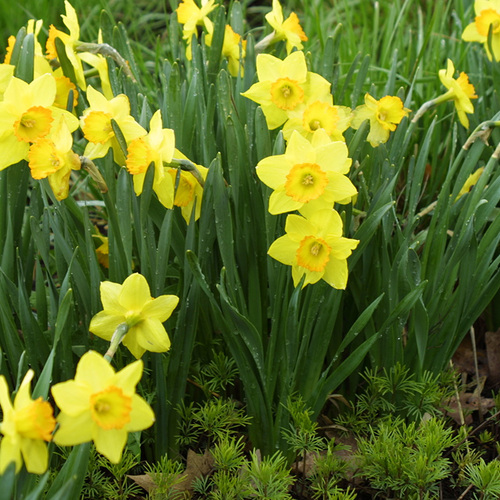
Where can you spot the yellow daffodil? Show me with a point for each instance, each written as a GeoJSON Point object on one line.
{"type": "Point", "coordinates": [460, 91]}
{"type": "Point", "coordinates": [11, 41]}
{"type": "Point", "coordinates": [71, 42]}
{"type": "Point", "coordinates": [470, 182]}
{"type": "Point", "coordinates": [98, 130]}
{"type": "Point", "coordinates": [52, 156]}
{"type": "Point", "coordinates": [234, 48]}
{"type": "Point", "coordinates": [100, 405]}
{"type": "Point", "coordinates": [27, 114]}
{"type": "Point", "coordinates": [288, 30]}
{"type": "Point", "coordinates": [384, 115]}
{"type": "Point", "coordinates": [131, 303]}
{"type": "Point", "coordinates": [318, 114]}
{"type": "Point", "coordinates": [315, 248]}
{"type": "Point", "coordinates": [189, 190]}
{"type": "Point", "coordinates": [191, 16]}
{"type": "Point", "coordinates": [283, 85]}
{"type": "Point", "coordinates": [156, 147]}
{"type": "Point", "coordinates": [487, 17]}
{"type": "Point", "coordinates": [308, 173]}
{"type": "Point", "coordinates": [102, 251]}
{"type": "Point", "coordinates": [27, 426]}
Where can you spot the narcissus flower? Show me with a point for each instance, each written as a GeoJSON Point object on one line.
{"type": "Point", "coordinates": [470, 182]}
{"type": "Point", "coordinates": [189, 190]}
{"type": "Point", "coordinates": [460, 91]}
{"type": "Point", "coordinates": [487, 17]}
{"type": "Point", "coordinates": [98, 130]}
{"type": "Point", "coordinates": [27, 114]}
{"type": "Point", "coordinates": [191, 16]}
{"type": "Point", "coordinates": [52, 156]}
{"type": "Point", "coordinates": [155, 147]}
{"type": "Point", "coordinates": [315, 248]}
{"type": "Point", "coordinates": [71, 42]}
{"type": "Point", "coordinates": [384, 115]}
{"type": "Point", "coordinates": [234, 48]}
{"type": "Point", "coordinates": [283, 85]}
{"type": "Point", "coordinates": [102, 251]}
{"type": "Point", "coordinates": [288, 30]}
{"type": "Point", "coordinates": [131, 303]}
{"type": "Point", "coordinates": [100, 405]}
{"type": "Point", "coordinates": [316, 115]}
{"type": "Point", "coordinates": [308, 173]}
{"type": "Point", "coordinates": [27, 426]}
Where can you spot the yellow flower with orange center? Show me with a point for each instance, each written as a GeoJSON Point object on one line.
{"type": "Point", "coordinates": [100, 405]}
{"type": "Point", "coordinates": [53, 157]}
{"type": "Point", "coordinates": [315, 248]}
{"type": "Point", "coordinates": [71, 41]}
{"type": "Point", "coordinates": [27, 425]}
{"type": "Point", "coordinates": [283, 86]}
{"type": "Point", "coordinates": [319, 114]}
{"type": "Point", "coordinates": [155, 147]}
{"type": "Point", "coordinates": [97, 127]}
{"type": "Point", "coordinates": [27, 114]}
{"type": "Point", "coordinates": [384, 116]}
{"type": "Point", "coordinates": [308, 173]}
{"type": "Point", "coordinates": [460, 91]}
{"type": "Point", "coordinates": [487, 18]}
{"type": "Point", "coordinates": [288, 30]}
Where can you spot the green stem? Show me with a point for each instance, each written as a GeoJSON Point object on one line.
{"type": "Point", "coordinates": [119, 333]}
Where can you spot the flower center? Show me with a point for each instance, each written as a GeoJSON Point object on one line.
{"type": "Point", "coordinates": [313, 254]}
{"type": "Point", "coordinates": [139, 156]}
{"type": "Point", "coordinates": [97, 127]}
{"type": "Point", "coordinates": [390, 112]}
{"type": "Point", "coordinates": [286, 93]}
{"type": "Point", "coordinates": [320, 115]}
{"type": "Point", "coordinates": [33, 124]}
{"type": "Point", "coordinates": [36, 420]}
{"type": "Point", "coordinates": [487, 18]}
{"type": "Point", "coordinates": [305, 182]}
{"type": "Point", "coordinates": [110, 408]}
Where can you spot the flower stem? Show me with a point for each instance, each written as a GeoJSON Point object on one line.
{"type": "Point", "coordinates": [119, 333]}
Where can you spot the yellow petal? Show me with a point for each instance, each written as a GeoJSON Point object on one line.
{"type": "Point", "coordinates": [141, 416]}
{"type": "Point", "coordinates": [110, 442]}
{"type": "Point", "coordinates": [135, 292]}
{"type": "Point", "coordinates": [161, 308]}
{"type": "Point", "coordinates": [35, 454]}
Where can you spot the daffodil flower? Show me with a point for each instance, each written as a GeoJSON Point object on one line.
{"type": "Point", "coordinates": [155, 147]}
{"type": "Point", "coordinates": [71, 41]}
{"type": "Point", "coordinates": [487, 17]}
{"type": "Point", "coordinates": [131, 303]}
{"type": "Point", "coordinates": [318, 113]}
{"type": "Point", "coordinates": [189, 190]}
{"type": "Point", "coordinates": [191, 16]}
{"type": "Point", "coordinates": [234, 48]}
{"type": "Point", "coordinates": [26, 427]}
{"type": "Point", "coordinates": [308, 173]}
{"type": "Point", "coordinates": [6, 74]}
{"type": "Point", "coordinates": [470, 182]}
{"type": "Point", "coordinates": [283, 86]}
{"type": "Point", "coordinates": [27, 114]}
{"type": "Point", "coordinates": [384, 115]}
{"type": "Point", "coordinates": [288, 30]}
{"type": "Point", "coordinates": [460, 91]}
{"type": "Point", "coordinates": [52, 156]}
{"type": "Point", "coordinates": [100, 405]}
{"type": "Point", "coordinates": [315, 248]}
{"type": "Point", "coordinates": [98, 129]}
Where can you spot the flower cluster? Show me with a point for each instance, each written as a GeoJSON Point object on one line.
{"type": "Point", "coordinates": [99, 405]}
{"type": "Point", "coordinates": [38, 120]}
